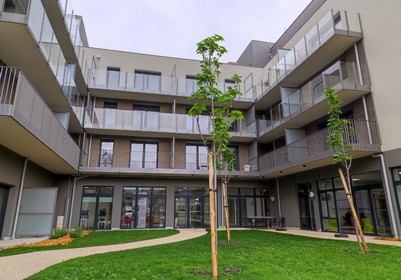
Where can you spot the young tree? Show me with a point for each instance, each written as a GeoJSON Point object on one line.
{"type": "Point", "coordinates": [218, 106]}
{"type": "Point", "coordinates": [340, 128]}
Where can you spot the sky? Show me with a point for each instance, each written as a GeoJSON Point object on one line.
{"type": "Point", "coordinates": [173, 27]}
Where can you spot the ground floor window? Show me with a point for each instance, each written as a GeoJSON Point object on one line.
{"type": "Point", "coordinates": [96, 207]}
{"type": "Point", "coordinates": [244, 203]}
{"type": "Point", "coordinates": [143, 207]}
{"type": "Point", "coordinates": [191, 207]}
{"type": "Point", "coordinates": [369, 200]}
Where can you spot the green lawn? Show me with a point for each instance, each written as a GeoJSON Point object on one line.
{"type": "Point", "coordinates": [97, 238]}
{"type": "Point", "coordinates": [259, 255]}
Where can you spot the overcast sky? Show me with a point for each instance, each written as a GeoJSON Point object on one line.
{"type": "Point", "coordinates": [173, 27]}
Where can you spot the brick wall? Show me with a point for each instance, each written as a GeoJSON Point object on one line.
{"type": "Point", "coordinates": [95, 151]}
{"type": "Point", "coordinates": [121, 155]}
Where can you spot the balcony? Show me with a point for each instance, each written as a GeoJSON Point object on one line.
{"type": "Point", "coordinates": [145, 124]}
{"type": "Point", "coordinates": [336, 32]}
{"type": "Point", "coordinates": [156, 88]}
{"type": "Point", "coordinates": [33, 46]}
{"type": "Point", "coordinates": [123, 162]}
{"type": "Point", "coordinates": [301, 106]}
{"type": "Point", "coordinates": [29, 127]}
{"type": "Point", "coordinates": [312, 151]}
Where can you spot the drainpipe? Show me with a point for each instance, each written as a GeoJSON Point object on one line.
{"type": "Point", "coordinates": [278, 197]}
{"type": "Point", "coordinates": [22, 183]}
{"type": "Point", "coordinates": [72, 199]}
{"type": "Point", "coordinates": [387, 188]}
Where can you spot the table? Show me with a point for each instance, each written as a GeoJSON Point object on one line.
{"type": "Point", "coordinates": [261, 221]}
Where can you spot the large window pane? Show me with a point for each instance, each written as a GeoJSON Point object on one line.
{"type": "Point", "coordinates": [113, 77]}
{"type": "Point", "coordinates": [106, 153]}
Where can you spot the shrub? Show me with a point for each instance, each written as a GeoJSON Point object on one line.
{"type": "Point", "coordinates": [58, 233]}
{"type": "Point", "coordinates": [76, 232]}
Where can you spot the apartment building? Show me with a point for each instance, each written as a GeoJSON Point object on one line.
{"type": "Point", "coordinates": [102, 138]}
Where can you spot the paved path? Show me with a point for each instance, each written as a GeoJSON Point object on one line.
{"type": "Point", "coordinates": [24, 265]}
{"type": "Point", "coordinates": [330, 235]}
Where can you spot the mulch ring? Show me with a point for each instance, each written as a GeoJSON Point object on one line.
{"type": "Point", "coordinates": [66, 239]}
{"type": "Point", "coordinates": [388, 238]}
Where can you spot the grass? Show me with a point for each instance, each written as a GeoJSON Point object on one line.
{"type": "Point", "coordinates": [96, 238]}
{"type": "Point", "coordinates": [255, 254]}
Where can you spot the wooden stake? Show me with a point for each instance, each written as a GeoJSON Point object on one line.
{"type": "Point", "coordinates": [213, 229]}
{"type": "Point", "coordinates": [226, 215]}
{"type": "Point", "coordinates": [351, 204]}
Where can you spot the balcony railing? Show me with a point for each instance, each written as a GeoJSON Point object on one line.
{"type": "Point", "coordinates": [161, 122]}
{"type": "Point", "coordinates": [19, 99]}
{"type": "Point", "coordinates": [340, 76]}
{"type": "Point", "coordinates": [157, 84]}
{"type": "Point", "coordinates": [151, 162]}
{"type": "Point", "coordinates": [314, 147]}
{"type": "Point", "coordinates": [287, 60]}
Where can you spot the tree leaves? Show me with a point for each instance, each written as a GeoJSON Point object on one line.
{"type": "Point", "coordinates": [216, 103]}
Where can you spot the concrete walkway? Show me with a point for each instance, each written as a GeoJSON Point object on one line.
{"type": "Point", "coordinates": [24, 265]}
{"type": "Point", "coordinates": [330, 235]}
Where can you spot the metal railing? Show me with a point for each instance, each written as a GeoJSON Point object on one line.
{"type": "Point", "coordinates": [341, 75]}
{"type": "Point", "coordinates": [162, 122]}
{"type": "Point", "coordinates": [334, 22]}
{"type": "Point", "coordinates": [19, 99]}
{"type": "Point", "coordinates": [157, 84]}
{"type": "Point", "coordinates": [120, 160]}
{"type": "Point", "coordinates": [315, 146]}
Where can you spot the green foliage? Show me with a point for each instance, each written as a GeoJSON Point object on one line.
{"type": "Point", "coordinates": [341, 129]}
{"type": "Point", "coordinates": [260, 255]}
{"type": "Point", "coordinates": [214, 102]}
{"type": "Point", "coordinates": [58, 233]}
{"type": "Point", "coordinates": [76, 232]}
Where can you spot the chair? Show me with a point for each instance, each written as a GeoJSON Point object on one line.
{"type": "Point", "coordinates": [251, 222]}
{"type": "Point", "coordinates": [260, 222]}
{"type": "Point", "coordinates": [84, 219]}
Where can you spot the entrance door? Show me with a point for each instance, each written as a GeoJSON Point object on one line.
{"type": "Point", "coordinates": [3, 205]}
{"type": "Point", "coordinates": [372, 210]}
{"type": "Point", "coordinates": [306, 210]}
{"type": "Point", "coordinates": [190, 212]}
{"type": "Point", "coordinates": [96, 208]}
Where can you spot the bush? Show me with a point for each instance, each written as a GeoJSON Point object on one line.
{"type": "Point", "coordinates": [76, 232]}
{"type": "Point", "coordinates": [58, 233]}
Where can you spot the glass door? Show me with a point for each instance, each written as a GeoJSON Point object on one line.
{"type": "Point", "coordinates": [233, 209]}
{"type": "Point", "coordinates": [180, 212]}
{"type": "Point", "coordinates": [365, 211]}
{"type": "Point", "coordinates": [96, 207]}
{"type": "Point", "coordinates": [306, 210]}
{"type": "Point", "coordinates": [3, 205]}
{"type": "Point", "coordinates": [195, 211]}
{"type": "Point", "coordinates": [381, 212]}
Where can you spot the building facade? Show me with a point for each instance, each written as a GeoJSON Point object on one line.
{"type": "Point", "coordinates": [102, 139]}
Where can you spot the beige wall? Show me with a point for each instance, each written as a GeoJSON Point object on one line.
{"type": "Point", "coordinates": [10, 174]}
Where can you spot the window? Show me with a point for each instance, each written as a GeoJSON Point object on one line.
{"type": "Point", "coordinates": [234, 149]}
{"type": "Point", "coordinates": [113, 77]}
{"type": "Point", "coordinates": [146, 115]}
{"type": "Point", "coordinates": [191, 84]}
{"type": "Point", "coordinates": [192, 124]}
{"type": "Point", "coordinates": [106, 153]}
{"type": "Point", "coordinates": [227, 84]}
{"type": "Point", "coordinates": [196, 156]}
{"type": "Point", "coordinates": [110, 111]}
{"type": "Point", "coordinates": [143, 207]}
{"type": "Point", "coordinates": [147, 81]}
{"type": "Point", "coordinates": [96, 208]}
{"type": "Point", "coordinates": [143, 154]}
{"type": "Point", "coordinates": [16, 7]}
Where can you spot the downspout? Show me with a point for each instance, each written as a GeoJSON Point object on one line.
{"type": "Point", "coordinates": [278, 197]}
{"type": "Point", "coordinates": [22, 183]}
{"type": "Point", "coordinates": [387, 188]}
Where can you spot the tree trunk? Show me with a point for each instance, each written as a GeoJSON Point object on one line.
{"type": "Point", "coordinates": [226, 215]}
{"type": "Point", "coordinates": [351, 204]}
{"type": "Point", "coordinates": [212, 205]}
